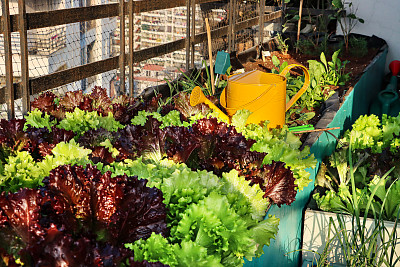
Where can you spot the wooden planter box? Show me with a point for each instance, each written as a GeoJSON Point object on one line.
{"type": "Point", "coordinates": [317, 233]}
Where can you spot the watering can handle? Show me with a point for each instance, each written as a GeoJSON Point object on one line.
{"type": "Point", "coordinates": [305, 85]}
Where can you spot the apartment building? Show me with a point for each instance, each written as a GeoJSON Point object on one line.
{"type": "Point", "coordinates": [159, 27]}
{"type": "Point", "coordinates": [62, 47]}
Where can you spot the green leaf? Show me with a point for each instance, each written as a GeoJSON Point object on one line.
{"type": "Point", "coordinates": [323, 60]}
{"type": "Point", "coordinates": [335, 60]}
{"type": "Point", "coordinates": [38, 119]}
{"type": "Point", "coordinates": [253, 194]}
{"type": "Point", "coordinates": [337, 3]}
{"type": "Point", "coordinates": [275, 61]}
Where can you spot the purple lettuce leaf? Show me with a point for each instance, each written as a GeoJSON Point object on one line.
{"type": "Point", "coordinates": [278, 182]}
{"type": "Point", "coordinates": [81, 217]}
{"type": "Point", "coordinates": [22, 211]}
{"type": "Point", "coordinates": [100, 100]}
{"type": "Point", "coordinates": [45, 102]}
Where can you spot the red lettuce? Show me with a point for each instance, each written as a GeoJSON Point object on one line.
{"type": "Point", "coordinates": [278, 183]}
{"type": "Point", "coordinates": [81, 217]}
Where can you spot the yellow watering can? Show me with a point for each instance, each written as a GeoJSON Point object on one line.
{"type": "Point", "coordinates": [264, 94]}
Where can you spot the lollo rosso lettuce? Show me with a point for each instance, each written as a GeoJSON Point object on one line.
{"type": "Point", "coordinates": [84, 215]}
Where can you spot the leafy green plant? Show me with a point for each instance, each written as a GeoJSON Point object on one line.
{"type": "Point", "coordinates": [364, 244]}
{"type": "Point", "coordinates": [374, 148]}
{"type": "Point", "coordinates": [281, 44]}
{"type": "Point", "coordinates": [346, 16]}
{"type": "Point", "coordinates": [328, 72]}
{"type": "Point", "coordinates": [359, 46]}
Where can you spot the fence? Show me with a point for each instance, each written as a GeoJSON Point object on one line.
{"type": "Point", "coordinates": [81, 42]}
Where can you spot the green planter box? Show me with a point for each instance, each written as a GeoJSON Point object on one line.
{"type": "Point", "coordinates": [285, 249]}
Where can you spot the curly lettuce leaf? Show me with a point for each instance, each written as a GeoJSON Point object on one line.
{"type": "Point", "coordinates": [253, 194]}
{"type": "Point", "coordinates": [20, 171]}
{"type": "Point", "coordinates": [158, 249]}
{"type": "Point", "coordinates": [80, 121]}
{"type": "Point", "coordinates": [38, 119]}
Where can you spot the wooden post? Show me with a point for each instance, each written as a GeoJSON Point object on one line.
{"type": "Point", "coordinates": [299, 24]}
{"type": "Point", "coordinates": [261, 27]}
{"type": "Point", "coordinates": [5, 4]}
{"type": "Point", "coordinates": [121, 47]}
{"type": "Point", "coordinates": [193, 33]}
{"type": "Point", "coordinates": [131, 47]}
{"type": "Point", "coordinates": [230, 26]}
{"type": "Point", "coordinates": [233, 25]}
{"type": "Point", "coordinates": [22, 22]}
{"type": "Point", "coordinates": [187, 40]}
{"type": "Point", "coordinates": [210, 55]}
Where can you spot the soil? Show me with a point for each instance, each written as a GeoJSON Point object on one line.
{"type": "Point", "coordinates": [356, 67]}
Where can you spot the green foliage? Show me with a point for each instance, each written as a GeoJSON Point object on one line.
{"type": "Point", "coordinates": [322, 75]}
{"type": "Point", "coordinates": [281, 44]}
{"type": "Point", "coordinates": [364, 244]}
{"type": "Point", "coordinates": [213, 220]}
{"type": "Point", "coordinates": [346, 16]}
{"type": "Point", "coordinates": [373, 146]}
{"type": "Point", "coordinates": [328, 72]}
{"type": "Point", "coordinates": [281, 145]}
{"type": "Point", "coordinates": [22, 171]}
{"type": "Point", "coordinates": [80, 121]}
{"type": "Point", "coordinates": [38, 119]}
{"type": "Point", "coordinates": [359, 46]}
{"type": "Point", "coordinates": [171, 119]}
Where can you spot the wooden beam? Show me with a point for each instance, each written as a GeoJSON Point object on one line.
{"type": "Point", "coordinates": [9, 92]}
{"type": "Point", "coordinates": [24, 57]}
{"type": "Point", "coordinates": [131, 47]}
{"type": "Point", "coordinates": [121, 47]}
{"type": "Point", "coordinates": [79, 14]}
{"type": "Point", "coordinates": [60, 78]}
{"type": "Point", "coordinates": [187, 39]}
{"type": "Point", "coordinates": [192, 34]}
{"type": "Point", "coordinates": [261, 27]}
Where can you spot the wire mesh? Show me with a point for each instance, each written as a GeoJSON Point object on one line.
{"type": "Point", "coordinates": [63, 47]}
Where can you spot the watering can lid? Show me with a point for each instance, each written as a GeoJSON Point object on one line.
{"type": "Point", "coordinates": [256, 77]}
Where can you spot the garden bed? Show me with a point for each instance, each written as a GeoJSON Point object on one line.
{"type": "Point", "coordinates": [356, 67]}
{"type": "Point", "coordinates": [319, 234]}
{"type": "Point", "coordinates": [284, 250]}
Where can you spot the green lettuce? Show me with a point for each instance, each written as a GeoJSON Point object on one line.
{"type": "Point", "coordinates": [22, 171]}
{"type": "Point", "coordinates": [80, 121]}
{"type": "Point", "coordinates": [38, 119]}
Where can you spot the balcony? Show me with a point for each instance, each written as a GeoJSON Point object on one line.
{"type": "Point", "coordinates": [42, 42]}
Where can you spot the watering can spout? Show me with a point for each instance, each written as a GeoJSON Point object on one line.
{"type": "Point", "coordinates": [197, 97]}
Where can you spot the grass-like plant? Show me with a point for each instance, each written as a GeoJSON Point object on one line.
{"type": "Point", "coordinates": [362, 244]}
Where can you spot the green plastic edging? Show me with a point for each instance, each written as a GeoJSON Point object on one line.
{"type": "Point", "coordinates": [284, 251]}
